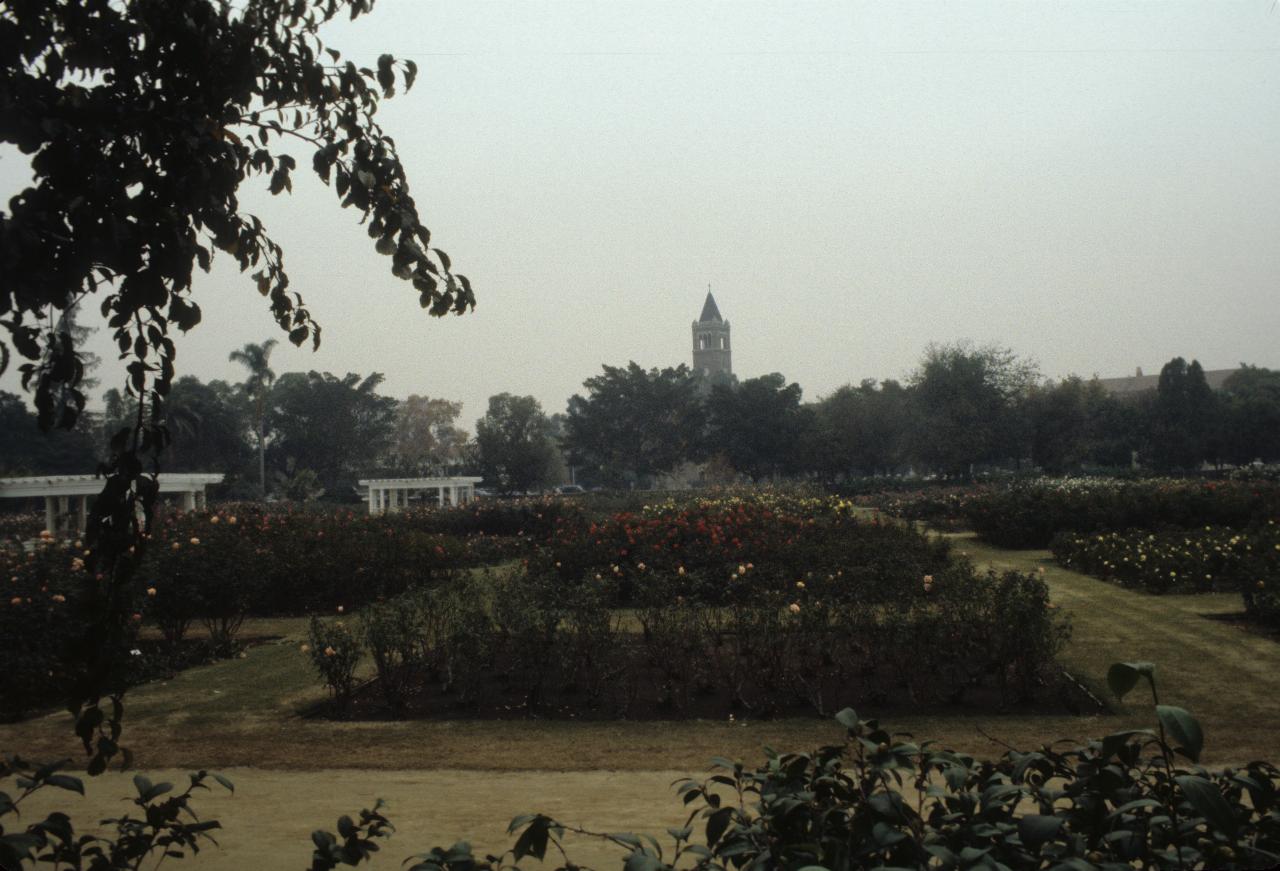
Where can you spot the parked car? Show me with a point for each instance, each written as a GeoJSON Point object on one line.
{"type": "Point", "coordinates": [569, 490]}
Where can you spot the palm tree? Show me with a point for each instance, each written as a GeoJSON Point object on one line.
{"type": "Point", "coordinates": [257, 358]}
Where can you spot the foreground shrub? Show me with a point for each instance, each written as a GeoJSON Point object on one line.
{"type": "Point", "coordinates": [757, 604]}
{"type": "Point", "coordinates": [166, 826]}
{"type": "Point", "coordinates": [529, 642]}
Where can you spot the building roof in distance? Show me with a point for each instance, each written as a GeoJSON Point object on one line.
{"type": "Point", "coordinates": [1134, 384]}
{"type": "Point", "coordinates": [709, 310]}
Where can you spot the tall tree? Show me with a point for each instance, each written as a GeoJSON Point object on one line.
{"type": "Point", "coordinates": [862, 430]}
{"type": "Point", "coordinates": [1182, 417]}
{"type": "Point", "coordinates": [1251, 415]}
{"type": "Point", "coordinates": [966, 397]}
{"type": "Point", "coordinates": [427, 437]}
{"type": "Point", "coordinates": [335, 427]}
{"type": "Point", "coordinates": [635, 424]}
{"type": "Point", "coordinates": [257, 388]}
{"type": "Point", "coordinates": [26, 450]}
{"type": "Point", "coordinates": [514, 443]}
{"type": "Point", "coordinates": [756, 425]}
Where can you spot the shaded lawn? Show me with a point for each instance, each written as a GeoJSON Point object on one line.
{"type": "Point", "coordinates": [250, 711]}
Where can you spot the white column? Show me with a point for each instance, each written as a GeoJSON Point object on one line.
{"type": "Point", "coordinates": [82, 520]}
{"type": "Point", "coordinates": [64, 517]}
{"type": "Point", "coordinates": [50, 515]}
{"type": "Point", "coordinates": [453, 495]}
{"type": "Point", "coordinates": [440, 495]}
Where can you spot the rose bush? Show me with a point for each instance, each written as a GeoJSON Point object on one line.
{"type": "Point", "coordinates": [1028, 515]}
{"type": "Point", "coordinates": [761, 605]}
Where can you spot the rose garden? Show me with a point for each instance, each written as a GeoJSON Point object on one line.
{"type": "Point", "coordinates": [762, 609]}
{"type": "Point", "coordinates": [978, 618]}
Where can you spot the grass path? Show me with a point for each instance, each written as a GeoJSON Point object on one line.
{"type": "Point", "coordinates": [1227, 676]}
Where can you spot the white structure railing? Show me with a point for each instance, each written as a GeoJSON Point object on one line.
{"type": "Point", "coordinates": [59, 490]}
{"type": "Point", "coordinates": [389, 495]}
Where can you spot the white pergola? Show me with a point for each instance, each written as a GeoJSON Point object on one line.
{"type": "Point", "coordinates": [59, 490]}
{"type": "Point", "coordinates": [389, 495]}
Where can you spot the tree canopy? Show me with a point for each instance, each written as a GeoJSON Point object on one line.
{"type": "Point", "coordinates": [514, 444]}
{"type": "Point", "coordinates": [964, 395]}
{"type": "Point", "coordinates": [634, 423]}
{"type": "Point", "coordinates": [142, 121]}
{"type": "Point", "coordinates": [757, 425]}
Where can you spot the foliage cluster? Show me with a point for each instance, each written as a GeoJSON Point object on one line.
{"type": "Point", "coordinates": [165, 825]}
{"type": "Point", "coordinates": [335, 652]}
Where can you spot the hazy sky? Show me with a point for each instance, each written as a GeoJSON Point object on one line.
{"type": "Point", "coordinates": [1095, 185]}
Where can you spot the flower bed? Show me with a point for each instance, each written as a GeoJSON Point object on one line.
{"type": "Point", "coordinates": [745, 606]}
{"type": "Point", "coordinates": [940, 507]}
{"type": "Point", "coordinates": [217, 568]}
{"type": "Point", "coordinates": [1029, 515]}
{"type": "Point", "coordinates": [1212, 558]}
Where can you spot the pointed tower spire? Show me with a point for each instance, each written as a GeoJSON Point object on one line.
{"type": "Point", "coordinates": [711, 353]}
{"type": "Point", "coordinates": [709, 310]}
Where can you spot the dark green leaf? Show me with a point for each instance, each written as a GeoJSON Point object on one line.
{"type": "Point", "coordinates": [1209, 803]}
{"type": "Point", "coordinates": [1037, 829]}
{"type": "Point", "coordinates": [1183, 729]}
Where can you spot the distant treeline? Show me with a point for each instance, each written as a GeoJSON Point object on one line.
{"type": "Point", "coordinates": [310, 435]}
